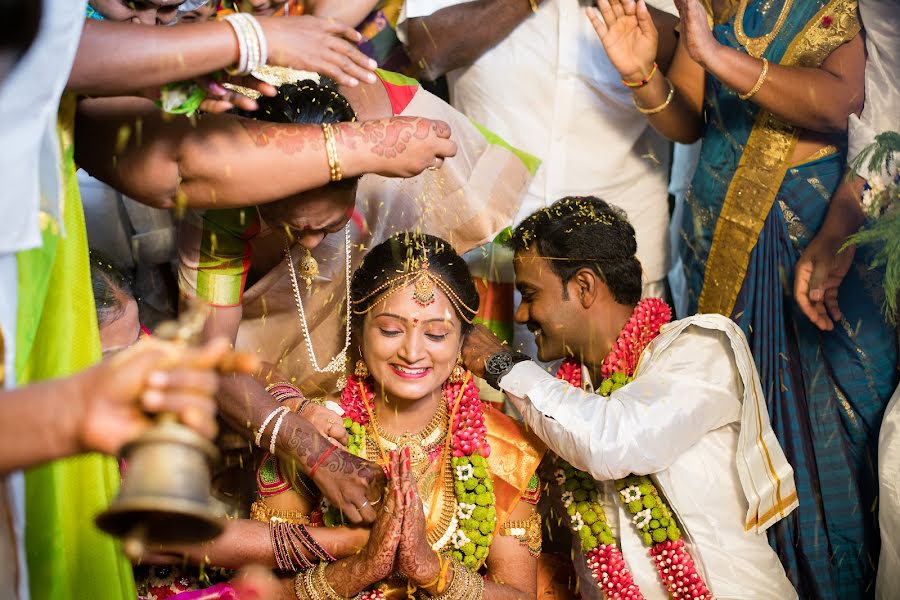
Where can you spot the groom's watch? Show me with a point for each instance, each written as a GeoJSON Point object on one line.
{"type": "Point", "coordinates": [499, 364]}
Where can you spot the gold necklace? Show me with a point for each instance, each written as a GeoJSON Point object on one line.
{"type": "Point", "coordinates": [756, 46]}
{"type": "Point", "coordinates": [338, 364]}
{"type": "Point", "coordinates": [420, 444]}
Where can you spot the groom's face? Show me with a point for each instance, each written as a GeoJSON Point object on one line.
{"type": "Point", "coordinates": [553, 317]}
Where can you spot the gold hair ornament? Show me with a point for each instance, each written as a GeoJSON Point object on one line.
{"type": "Point", "coordinates": [423, 293]}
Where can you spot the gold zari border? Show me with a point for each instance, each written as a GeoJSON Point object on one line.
{"type": "Point", "coordinates": [764, 164]}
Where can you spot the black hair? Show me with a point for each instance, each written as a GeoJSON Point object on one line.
{"type": "Point", "coordinates": [584, 232]}
{"type": "Point", "coordinates": [306, 102]}
{"type": "Point", "coordinates": [112, 288]}
{"type": "Point", "coordinates": [402, 253]}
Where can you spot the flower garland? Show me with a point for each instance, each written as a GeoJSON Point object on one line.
{"type": "Point", "coordinates": [650, 514]}
{"type": "Point", "coordinates": [471, 532]}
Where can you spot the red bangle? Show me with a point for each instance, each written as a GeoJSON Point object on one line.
{"type": "Point", "coordinates": [322, 458]}
{"type": "Point", "coordinates": [642, 82]}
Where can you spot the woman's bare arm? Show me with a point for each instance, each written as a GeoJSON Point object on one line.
{"type": "Point", "coordinates": [224, 161]}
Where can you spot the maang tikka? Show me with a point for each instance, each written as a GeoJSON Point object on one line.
{"type": "Point", "coordinates": [423, 293]}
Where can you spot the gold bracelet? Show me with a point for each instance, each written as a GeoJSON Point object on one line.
{"type": "Point", "coordinates": [334, 165]}
{"type": "Point", "coordinates": [759, 82]}
{"type": "Point", "coordinates": [534, 5]}
{"type": "Point", "coordinates": [661, 107]}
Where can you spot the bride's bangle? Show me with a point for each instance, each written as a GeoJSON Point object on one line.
{"type": "Point", "coordinates": [465, 585]}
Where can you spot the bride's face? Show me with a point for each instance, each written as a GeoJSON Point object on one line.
{"type": "Point", "coordinates": [410, 349]}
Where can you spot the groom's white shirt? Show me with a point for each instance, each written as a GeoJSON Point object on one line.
{"type": "Point", "coordinates": [680, 420]}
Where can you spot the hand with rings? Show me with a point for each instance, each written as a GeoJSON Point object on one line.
{"type": "Point", "coordinates": [326, 422]}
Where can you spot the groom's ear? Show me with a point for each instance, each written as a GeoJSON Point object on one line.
{"type": "Point", "coordinates": [587, 287]}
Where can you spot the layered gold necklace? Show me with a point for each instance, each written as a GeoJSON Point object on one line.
{"type": "Point", "coordinates": [421, 444]}
{"type": "Point", "coordinates": [757, 45]}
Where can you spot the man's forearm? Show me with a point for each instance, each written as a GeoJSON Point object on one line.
{"type": "Point", "coordinates": [457, 36]}
{"type": "Point", "coordinates": [39, 423]}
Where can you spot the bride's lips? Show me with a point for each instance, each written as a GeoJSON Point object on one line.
{"type": "Point", "coordinates": [410, 372]}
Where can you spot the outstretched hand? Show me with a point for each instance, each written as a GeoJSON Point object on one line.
{"type": "Point", "coordinates": [153, 376]}
{"type": "Point", "coordinates": [398, 146]}
{"type": "Point", "coordinates": [353, 484]}
{"type": "Point", "coordinates": [628, 34]}
{"type": "Point", "coordinates": [322, 46]}
{"type": "Point", "coordinates": [695, 31]}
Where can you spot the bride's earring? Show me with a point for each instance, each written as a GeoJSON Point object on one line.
{"type": "Point", "coordinates": [361, 370]}
{"type": "Point", "coordinates": [308, 268]}
{"type": "Point", "coordinates": [458, 375]}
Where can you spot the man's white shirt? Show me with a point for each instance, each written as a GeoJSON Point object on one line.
{"type": "Point", "coordinates": [680, 421]}
{"type": "Point", "coordinates": [548, 88]}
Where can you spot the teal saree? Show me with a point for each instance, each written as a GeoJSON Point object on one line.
{"type": "Point", "coordinates": [748, 217]}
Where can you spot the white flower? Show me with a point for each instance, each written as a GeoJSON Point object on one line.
{"type": "Point", "coordinates": [567, 498]}
{"type": "Point", "coordinates": [464, 511]}
{"type": "Point", "coordinates": [631, 493]}
{"type": "Point", "coordinates": [464, 472]}
{"type": "Point", "coordinates": [577, 522]}
{"type": "Point", "coordinates": [560, 476]}
{"type": "Point", "coordinates": [868, 198]}
{"type": "Point", "coordinates": [642, 518]}
{"type": "Point", "coordinates": [459, 539]}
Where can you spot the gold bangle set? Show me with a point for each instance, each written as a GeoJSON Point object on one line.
{"type": "Point", "coordinates": [759, 82]}
{"type": "Point", "coordinates": [334, 165]}
{"type": "Point", "coordinates": [313, 585]}
{"type": "Point", "coordinates": [465, 585]}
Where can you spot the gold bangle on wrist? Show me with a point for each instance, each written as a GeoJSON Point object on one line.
{"type": "Point", "coordinates": [759, 82]}
{"type": "Point", "coordinates": [661, 107]}
{"type": "Point", "coordinates": [334, 165]}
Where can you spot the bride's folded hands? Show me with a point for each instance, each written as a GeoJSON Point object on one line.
{"type": "Point", "coordinates": [377, 560]}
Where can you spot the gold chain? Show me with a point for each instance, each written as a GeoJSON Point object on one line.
{"type": "Point", "coordinates": [756, 46]}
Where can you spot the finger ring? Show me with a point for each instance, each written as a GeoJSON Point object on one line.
{"type": "Point", "coordinates": [374, 502]}
{"type": "Point", "coordinates": [364, 504]}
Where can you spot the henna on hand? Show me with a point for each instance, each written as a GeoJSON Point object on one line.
{"type": "Point", "coordinates": [289, 138]}
{"type": "Point", "coordinates": [378, 558]}
{"type": "Point", "coordinates": [415, 557]}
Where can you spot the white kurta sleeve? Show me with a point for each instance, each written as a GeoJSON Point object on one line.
{"type": "Point", "coordinates": [693, 388]}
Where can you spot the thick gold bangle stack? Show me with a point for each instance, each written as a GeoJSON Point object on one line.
{"type": "Point", "coordinates": [465, 585]}
{"type": "Point", "coordinates": [314, 585]}
{"type": "Point", "coordinates": [334, 165]}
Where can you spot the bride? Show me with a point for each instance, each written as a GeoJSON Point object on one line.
{"type": "Point", "coordinates": [461, 475]}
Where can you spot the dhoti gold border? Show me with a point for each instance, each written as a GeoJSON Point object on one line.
{"type": "Point", "coordinates": [763, 165]}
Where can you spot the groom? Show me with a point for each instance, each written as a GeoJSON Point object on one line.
{"type": "Point", "coordinates": [636, 396]}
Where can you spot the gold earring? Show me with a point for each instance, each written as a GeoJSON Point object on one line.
{"type": "Point", "coordinates": [458, 375]}
{"type": "Point", "coordinates": [308, 268]}
{"type": "Point", "coordinates": [361, 370]}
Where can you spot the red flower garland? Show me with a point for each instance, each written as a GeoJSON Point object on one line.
{"type": "Point", "coordinates": [648, 317]}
